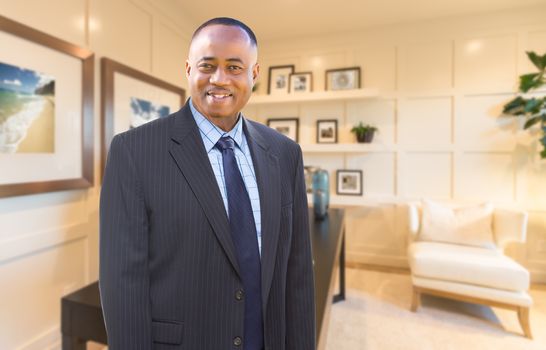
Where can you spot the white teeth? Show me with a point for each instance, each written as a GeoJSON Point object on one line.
{"type": "Point", "coordinates": [218, 95]}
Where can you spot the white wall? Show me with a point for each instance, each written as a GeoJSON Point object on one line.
{"type": "Point", "coordinates": [442, 85]}
{"type": "Point", "coordinates": [49, 242]}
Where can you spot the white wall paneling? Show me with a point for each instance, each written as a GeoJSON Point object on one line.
{"type": "Point", "coordinates": [486, 63]}
{"type": "Point", "coordinates": [426, 175]}
{"type": "Point", "coordinates": [480, 127]}
{"type": "Point", "coordinates": [425, 122]}
{"type": "Point", "coordinates": [61, 18]}
{"type": "Point", "coordinates": [378, 66]}
{"type": "Point", "coordinates": [428, 66]}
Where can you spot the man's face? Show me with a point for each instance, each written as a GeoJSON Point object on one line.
{"type": "Point", "coordinates": [221, 70]}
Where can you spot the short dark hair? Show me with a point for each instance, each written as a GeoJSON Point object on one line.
{"type": "Point", "coordinates": [227, 21]}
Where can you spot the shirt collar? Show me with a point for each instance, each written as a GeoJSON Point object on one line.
{"type": "Point", "coordinates": [211, 133]}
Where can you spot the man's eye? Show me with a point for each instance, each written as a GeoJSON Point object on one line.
{"type": "Point", "coordinates": [234, 68]}
{"type": "Point", "coordinates": [205, 66]}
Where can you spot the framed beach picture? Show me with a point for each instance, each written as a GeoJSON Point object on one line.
{"type": "Point", "coordinates": [349, 182]}
{"type": "Point", "coordinates": [46, 112]}
{"type": "Point", "coordinates": [343, 78]}
{"type": "Point", "coordinates": [278, 82]}
{"type": "Point", "coordinates": [327, 131]}
{"type": "Point", "coordinates": [286, 126]}
{"type": "Point", "coordinates": [131, 98]}
{"type": "Point", "coordinates": [300, 82]}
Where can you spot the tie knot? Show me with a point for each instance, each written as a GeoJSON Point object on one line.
{"type": "Point", "coordinates": [225, 143]}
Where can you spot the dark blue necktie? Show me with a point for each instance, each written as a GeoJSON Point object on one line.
{"type": "Point", "coordinates": [243, 233]}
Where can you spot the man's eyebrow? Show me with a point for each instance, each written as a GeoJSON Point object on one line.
{"type": "Point", "coordinates": [235, 59]}
{"type": "Point", "coordinates": [212, 58]}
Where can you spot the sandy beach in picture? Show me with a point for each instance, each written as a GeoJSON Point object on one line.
{"type": "Point", "coordinates": [27, 111]}
{"type": "Point", "coordinates": [40, 134]}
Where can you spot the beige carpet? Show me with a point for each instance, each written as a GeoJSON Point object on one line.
{"type": "Point", "coordinates": [376, 316]}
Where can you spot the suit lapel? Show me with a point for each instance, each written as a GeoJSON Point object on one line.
{"type": "Point", "coordinates": [268, 175]}
{"type": "Point", "coordinates": [188, 152]}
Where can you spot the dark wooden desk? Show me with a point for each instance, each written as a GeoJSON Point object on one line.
{"type": "Point", "coordinates": [81, 313]}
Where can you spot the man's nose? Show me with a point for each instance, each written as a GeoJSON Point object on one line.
{"type": "Point", "coordinates": [219, 77]}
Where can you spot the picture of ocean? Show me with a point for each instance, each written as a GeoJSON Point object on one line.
{"type": "Point", "coordinates": [145, 111]}
{"type": "Point", "coordinates": [27, 111]}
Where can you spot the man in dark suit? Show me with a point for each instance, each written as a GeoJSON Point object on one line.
{"type": "Point", "coordinates": [204, 237]}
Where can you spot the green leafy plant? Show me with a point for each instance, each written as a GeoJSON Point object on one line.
{"type": "Point", "coordinates": [364, 133]}
{"type": "Point", "coordinates": [533, 109]}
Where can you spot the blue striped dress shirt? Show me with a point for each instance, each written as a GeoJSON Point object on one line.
{"type": "Point", "coordinates": [210, 134]}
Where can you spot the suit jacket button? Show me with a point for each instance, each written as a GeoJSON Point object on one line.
{"type": "Point", "coordinates": [237, 341]}
{"type": "Point", "coordinates": [239, 295]}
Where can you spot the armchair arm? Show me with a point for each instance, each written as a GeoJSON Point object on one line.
{"type": "Point", "coordinates": [509, 225]}
{"type": "Point", "coordinates": [413, 220]}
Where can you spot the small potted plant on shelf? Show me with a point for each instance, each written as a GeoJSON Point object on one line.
{"type": "Point", "coordinates": [364, 133]}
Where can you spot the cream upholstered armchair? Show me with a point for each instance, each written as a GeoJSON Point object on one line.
{"type": "Point", "coordinates": [458, 253]}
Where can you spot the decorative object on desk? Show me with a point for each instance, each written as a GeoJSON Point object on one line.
{"type": "Point", "coordinates": [327, 131]}
{"type": "Point", "coordinates": [286, 126]}
{"type": "Point", "coordinates": [277, 83]}
{"type": "Point", "coordinates": [321, 193]}
{"type": "Point", "coordinates": [533, 108]}
{"type": "Point", "coordinates": [309, 171]}
{"type": "Point", "coordinates": [300, 82]}
{"type": "Point", "coordinates": [342, 79]}
{"type": "Point", "coordinates": [364, 133]}
{"type": "Point", "coordinates": [349, 182]}
{"type": "Point", "coordinates": [131, 98]}
{"type": "Point", "coordinates": [46, 112]}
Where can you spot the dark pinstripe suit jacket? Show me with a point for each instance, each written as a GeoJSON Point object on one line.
{"type": "Point", "coordinates": [168, 271]}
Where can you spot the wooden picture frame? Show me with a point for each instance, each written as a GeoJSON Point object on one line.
{"type": "Point", "coordinates": [286, 126]}
{"type": "Point", "coordinates": [278, 79]}
{"type": "Point", "coordinates": [69, 163]}
{"type": "Point", "coordinates": [342, 79]}
{"type": "Point", "coordinates": [349, 182]}
{"type": "Point", "coordinates": [301, 82]}
{"type": "Point", "coordinates": [112, 123]}
{"type": "Point", "coordinates": [327, 131]}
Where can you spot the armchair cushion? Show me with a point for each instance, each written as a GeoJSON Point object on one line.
{"type": "Point", "coordinates": [471, 225]}
{"type": "Point", "coordinates": [468, 265]}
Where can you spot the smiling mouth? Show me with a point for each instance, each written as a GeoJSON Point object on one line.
{"type": "Point", "coordinates": [219, 95]}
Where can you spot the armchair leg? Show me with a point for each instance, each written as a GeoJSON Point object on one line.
{"type": "Point", "coordinates": [416, 299]}
{"type": "Point", "coordinates": [523, 316]}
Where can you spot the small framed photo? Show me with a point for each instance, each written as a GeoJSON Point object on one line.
{"type": "Point", "coordinates": [300, 82]}
{"type": "Point", "coordinates": [349, 182]}
{"type": "Point", "coordinates": [286, 126]}
{"type": "Point", "coordinates": [278, 81]}
{"type": "Point", "coordinates": [343, 78]}
{"type": "Point", "coordinates": [327, 131]}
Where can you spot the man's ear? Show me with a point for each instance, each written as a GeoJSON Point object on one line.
{"type": "Point", "coordinates": [255, 73]}
{"type": "Point", "coordinates": [188, 69]}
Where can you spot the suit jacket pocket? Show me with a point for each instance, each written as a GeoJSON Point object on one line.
{"type": "Point", "coordinates": [167, 332]}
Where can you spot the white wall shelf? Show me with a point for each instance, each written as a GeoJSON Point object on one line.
{"type": "Point", "coordinates": [359, 201]}
{"type": "Point", "coordinates": [346, 148]}
{"type": "Point", "coordinates": [319, 96]}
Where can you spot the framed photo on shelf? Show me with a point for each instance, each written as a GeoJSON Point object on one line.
{"type": "Point", "coordinates": [327, 131]}
{"type": "Point", "coordinates": [300, 82]}
{"type": "Point", "coordinates": [278, 81]}
{"type": "Point", "coordinates": [46, 112]}
{"type": "Point", "coordinates": [286, 126]}
{"type": "Point", "coordinates": [349, 182]}
{"type": "Point", "coordinates": [342, 79]}
{"type": "Point", "coordinates": [131, 98]}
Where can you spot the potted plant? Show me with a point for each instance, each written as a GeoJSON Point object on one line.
{"type": "Point", "coordinates": [533, 109]}
{"type": "Point", "coordinates": [364, 133]}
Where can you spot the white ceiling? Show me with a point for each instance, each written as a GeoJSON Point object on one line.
{"type": "Point", "coordinates": [287, 18]}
